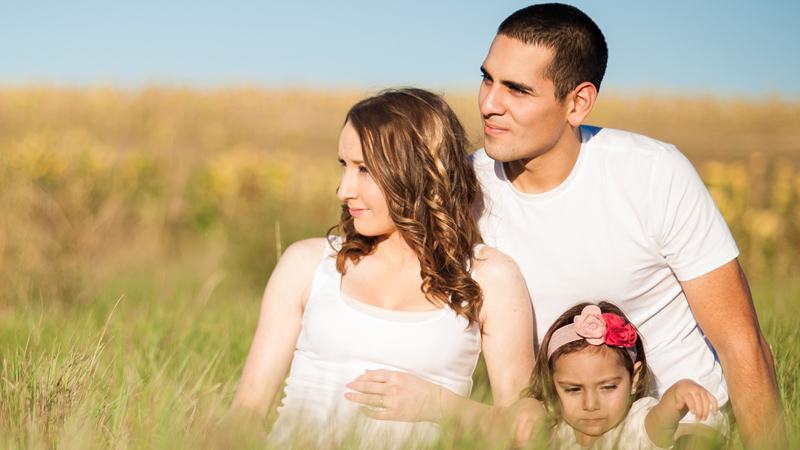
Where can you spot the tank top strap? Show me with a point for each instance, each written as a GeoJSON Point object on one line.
{"type": "Point", "coordinates": [326, 270]}
{"type": "Point", "coordinates": [333, 245]}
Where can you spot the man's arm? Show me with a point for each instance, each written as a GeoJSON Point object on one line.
{"type": "Point", "coordinates": [723, 307]}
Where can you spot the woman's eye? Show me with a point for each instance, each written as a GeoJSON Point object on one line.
{"type": "Point", "coordinates": [610, 387]}
{"type": "Point", "coordinates": [362, 169]}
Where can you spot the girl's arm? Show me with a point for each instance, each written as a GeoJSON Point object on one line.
{"type": "Point", "coordinates": [682, 397]}
{"type": "Point", "coordinates": [507, 346]}
{"type": "Point", "coordinates": [278, 328]}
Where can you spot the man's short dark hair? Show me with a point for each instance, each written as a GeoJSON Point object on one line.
{"type": "Point", "coordinates": [579, 49]}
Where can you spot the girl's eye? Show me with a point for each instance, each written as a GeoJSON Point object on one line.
{"type": "Point", "coordinates": [342, 163]}
{"type": "Point", "coordinates": [571, 390]}
{"type": "Point", "coordinates": [362, 169]}
{"type": "Point", "coordinates": [610, 387]}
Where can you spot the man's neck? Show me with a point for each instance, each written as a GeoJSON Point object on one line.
{"type": "Point", "coordinates": [547, 171]}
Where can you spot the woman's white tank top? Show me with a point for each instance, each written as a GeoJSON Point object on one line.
{"type": "Point", "coordinates": [338, 342]}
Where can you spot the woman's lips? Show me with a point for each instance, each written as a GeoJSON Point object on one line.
{"type": "Point", "coordinates": [357, 212]}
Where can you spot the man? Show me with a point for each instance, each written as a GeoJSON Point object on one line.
{"type": "Point", "coordinates": [601, 214]}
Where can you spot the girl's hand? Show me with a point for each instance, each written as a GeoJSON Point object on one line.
{"type": "Point", "coordinates": [695, 398]}
{"type": "Point", "coordinates": [525, 419]}
{"type": "Point", "coordinates": [400, 396]}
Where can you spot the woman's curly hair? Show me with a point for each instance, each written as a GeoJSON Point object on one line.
{"type": "Point", "coordinates": [415, 149]}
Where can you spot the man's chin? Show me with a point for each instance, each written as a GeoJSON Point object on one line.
{"type": "Point", "coordinates": [499, 153]}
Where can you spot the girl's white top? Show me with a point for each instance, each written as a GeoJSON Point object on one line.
{"type": "Point", "coordinates": [338, 342]}
{"type": "Point", "coordinates": [629, 434]}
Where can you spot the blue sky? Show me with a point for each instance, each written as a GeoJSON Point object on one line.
{"type": "Point", "coordinates": [725, 48]}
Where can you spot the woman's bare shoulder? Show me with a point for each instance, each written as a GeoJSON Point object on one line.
{"type": "Point", "coordinates": [305, 254]}
{"type": "Point", "coordinates": [492, 264]}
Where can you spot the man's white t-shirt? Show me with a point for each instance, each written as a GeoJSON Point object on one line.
{"type": "Point", "coordinates": [631, 220]}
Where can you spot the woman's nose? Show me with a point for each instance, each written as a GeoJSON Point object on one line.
{"type": "Point", "coordinates": [347, 188]}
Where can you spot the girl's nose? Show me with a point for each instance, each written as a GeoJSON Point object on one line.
{"type": "Point", "coordinates": [591, 402]}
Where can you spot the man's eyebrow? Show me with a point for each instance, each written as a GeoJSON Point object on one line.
{"type": "Point", "coordinates": [517, 86]}
{"type": "Point", "coordinates": [507, 83]}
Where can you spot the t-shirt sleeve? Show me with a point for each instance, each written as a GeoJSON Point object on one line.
{"type": "Point", "coordinates": [691, 232]}
{"type": "Point", "coordinates": [635, 433]}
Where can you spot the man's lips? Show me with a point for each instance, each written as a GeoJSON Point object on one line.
{"type": "Point", "coordinates": [493, 130]}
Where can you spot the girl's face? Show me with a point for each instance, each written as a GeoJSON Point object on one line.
{"type": "Point", "coordinates": [363, 196]}
{"type": "Point", "coordinates": [595, 391]}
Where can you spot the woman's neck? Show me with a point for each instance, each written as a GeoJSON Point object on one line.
{"type": "Point", "coordinates": [394, 250]}
{"type": "Point", "coordinates": [388, 278]}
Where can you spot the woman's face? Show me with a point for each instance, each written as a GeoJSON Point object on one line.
{"type": "Point", "coordinates": [594, 388]}
{"type": "Point", "coordinates": [357, 188]}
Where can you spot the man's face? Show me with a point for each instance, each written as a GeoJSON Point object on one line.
{"type": "Point", "coordinates": [521, 116]}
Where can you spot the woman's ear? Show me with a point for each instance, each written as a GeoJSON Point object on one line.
{"type": "Point", "coordinates": [637, 371]}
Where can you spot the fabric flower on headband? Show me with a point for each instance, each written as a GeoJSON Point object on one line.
{"type": "Point", "coordinates": [618, 333]}
{"type": "Point", "coordinates": [591, 325]}
{"type": "Point", "coordinates": [597, 328]}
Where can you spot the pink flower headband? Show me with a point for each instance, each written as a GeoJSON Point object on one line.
{"type": "Point", "coordinates": [597, 328]}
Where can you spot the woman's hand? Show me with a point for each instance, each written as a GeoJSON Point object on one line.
{"type": "Point", "coordinates": [399, 395]}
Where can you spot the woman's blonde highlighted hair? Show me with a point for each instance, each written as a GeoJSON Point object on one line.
{"type": "Point", "coordinates": [415, 149]}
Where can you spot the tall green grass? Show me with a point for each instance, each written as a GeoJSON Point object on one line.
{"type": "Point", "coordinates": [139, 229]}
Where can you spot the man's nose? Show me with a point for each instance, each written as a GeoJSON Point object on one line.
{"type": "Point", "coordinates": [490, 100]}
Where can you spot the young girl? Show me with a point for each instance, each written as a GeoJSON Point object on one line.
{"type": "Point", "coordinates": [590, 385]}
{"type": "Point", "coordinates": [407, 287]}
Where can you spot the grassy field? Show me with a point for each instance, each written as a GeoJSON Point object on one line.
{"type": "Point", "coordinates": [139, 229]}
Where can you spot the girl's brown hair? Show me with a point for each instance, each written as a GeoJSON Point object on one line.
{"type": "Point", "coordinates": [415, 149]}
{"type": "Point", "coordinates": [542, 386]}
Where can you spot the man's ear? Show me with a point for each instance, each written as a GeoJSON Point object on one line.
{"type": "Point", "coordinates": [582, 98]}
{"type": "Point", "coordinates": [637, 371]}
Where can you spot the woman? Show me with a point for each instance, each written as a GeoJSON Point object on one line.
{"type": "Point", "coordinates": [408, 288]}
